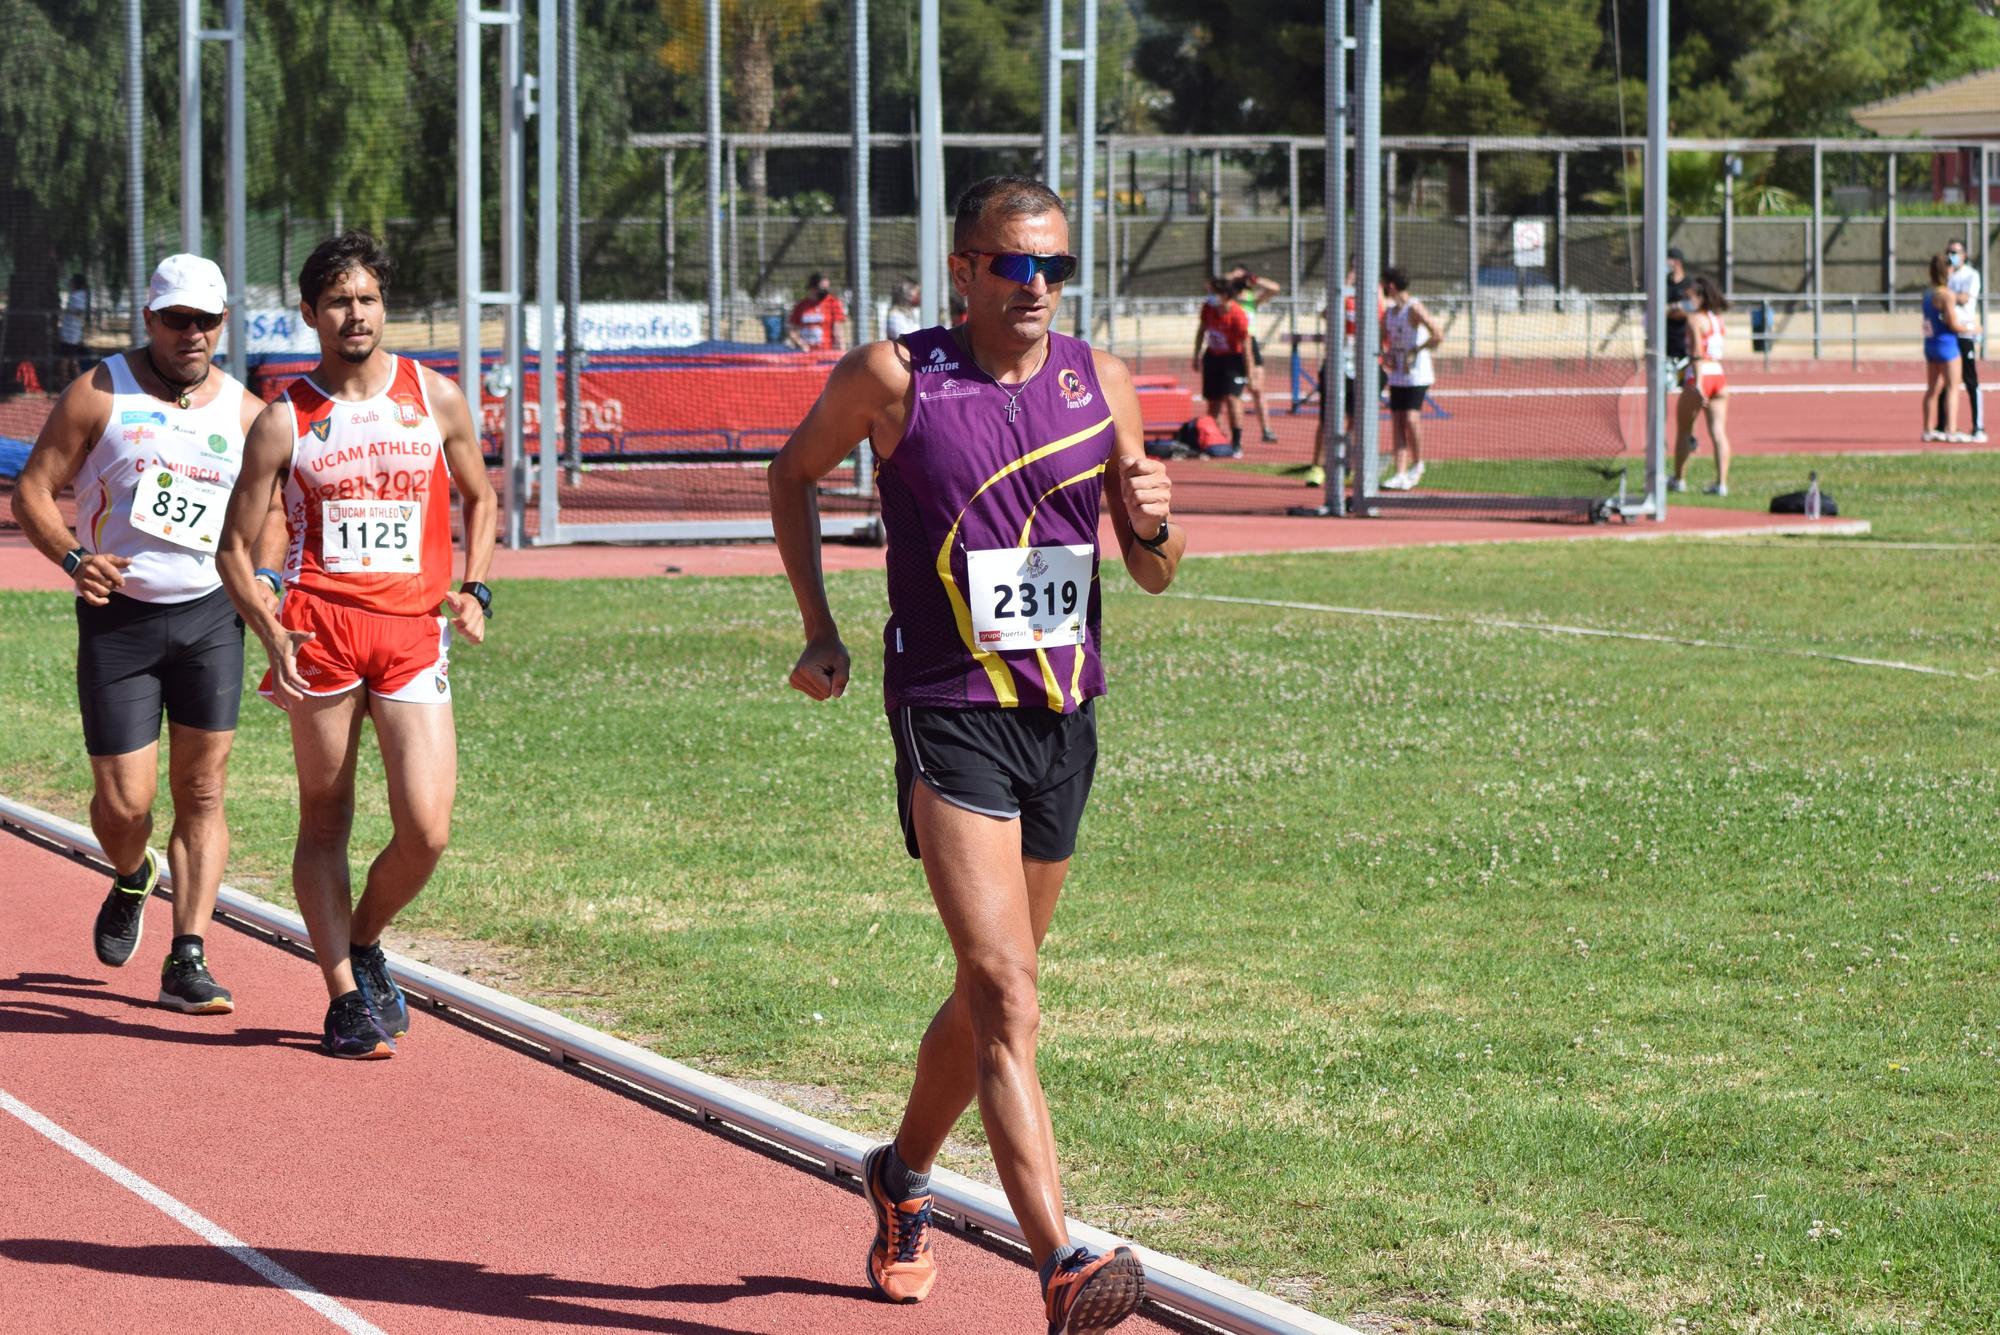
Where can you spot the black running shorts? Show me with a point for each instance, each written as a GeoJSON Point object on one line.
{"type": "Point", "coordinates": [1222, 375]}
{"type": "Point", "coordinates": [1407, 398]}
{"type": "Point", "coordinates": [1030, 765]}
{"type": "Point", "coordinates": [134, 659]}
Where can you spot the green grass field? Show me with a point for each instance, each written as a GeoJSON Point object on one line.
{"type": "Point", "coordinates": [1428, 973]}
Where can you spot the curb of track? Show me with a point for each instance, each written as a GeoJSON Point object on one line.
{"type": "Point", "coordinates": [1174, 1285]}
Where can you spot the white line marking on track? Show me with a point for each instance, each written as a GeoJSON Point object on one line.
{"type": "Point", "coordinates": [213, 1234]}
{"type": "Point", "coordinates": [1592, 632]}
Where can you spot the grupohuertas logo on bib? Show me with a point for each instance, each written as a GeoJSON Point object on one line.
{"type": "Point", "coordinates": [938, 362]}
{"type": "Point", "coordinates": [1073, 392]}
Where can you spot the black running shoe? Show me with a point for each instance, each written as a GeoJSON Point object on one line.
{"type": "Point", "coordinates": [186, 985]}
{"type": "Point", "coordinates": [121, 919]}
{"type": "Point", "coordinates": [353, 1031]}
{"type": "Point", "coordinates": [371, 975]}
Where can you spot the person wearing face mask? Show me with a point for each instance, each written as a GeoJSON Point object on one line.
{"type": "Point", "coordinates": [816, 318]}
{"type": "Point", "coordinates": [1963, 281]}
{"type": "Point", "coordinates": [1944, 359]}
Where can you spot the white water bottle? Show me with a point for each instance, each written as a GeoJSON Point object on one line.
{"type": "Point", "coordinates": [1812, 496]}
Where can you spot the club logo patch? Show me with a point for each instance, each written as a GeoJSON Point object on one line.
{"type": "Point", "coordinates": [1073, 392]}
{"type": "Point", "coordinates": [127, 419]}
{"type": "Point", "coordinates": [165, 480]}
{"type": "Point", "coordinates": [937, 362]}
{"type": "Point", "coordinates": [409, 413]}
{"type": "Point", "coordinates": [322, 427]}
{"type": "Point", "coordinates": [1037, 565]}
{"type": "Point", "coordinates": [218, 444]}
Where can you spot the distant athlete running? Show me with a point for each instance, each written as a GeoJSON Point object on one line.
{"type": "Point", "coordinates": [995, 440]}
{"type": "Point", "coordinates": [366, 450]}
{"type": "Point", "coordinates": [1704, 385]}
{"type": "Point", "coordinates": [151, 440]}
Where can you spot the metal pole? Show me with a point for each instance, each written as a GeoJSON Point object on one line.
{"type": "Point", "coordinates": [930, 166]}
{"type": "Point", "coordinates": [1471, 250]}
{"type": "Point", "coordinates": [860, 220]}
{"type": "Point", "coordinates": [1728, 233]}
{"type": "Point", "coordinates": [546, 222]}
{"type": "Point", "coordinates": [574, 355]}
{"type": "Point", "coordinates": [1985, 229]}
{"type": "Point", "coordinates": [191, 126]}
{"type": "Point", "coordinates": [1562, 225]}
{"type": "Point", "coordinates": [1215, 211]}
{"type": "Point", "coordinates": [514, 473]}
{"type": "Point", "coordinates": [1334, 189]}
{"type": "Point", "coordinates": [1655, 198]}
{"type": "Point", "coordinates": [135, 167]}
{"type": "Point", "coordinates": [469, 252]}
{"type": "Point", "coordinates": [1052, 31]}
{"type": "Point", "coordinates": [235, 222]}
{"type": "Point", "coordinates": [735, 241]}
{"type": "Point", "coordinates": [1819, 194]}
{"type": "Point", "coordinates": [1294, 279]}
{"type": "Point", "coordinates": [1889, 236]}
{"type": "Point", "coordinates": [672, 204]}
{"type": "Point", "coordinates": [1388, 200]}
{"type": "Point", "coordinates": [712, 73]}
{"type": "Point", "coordinates": [1111, 244]}
{"type": "Point", "coordinates": [1368, 243]}
{"type": "Point", "coordinates": [1086, 176]}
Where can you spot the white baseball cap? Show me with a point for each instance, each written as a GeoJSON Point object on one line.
{"type": "Point", "coordinates": [188, 280]}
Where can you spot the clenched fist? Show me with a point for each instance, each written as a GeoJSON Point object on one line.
{"type": "Point", "coordinates": [1146, 492]}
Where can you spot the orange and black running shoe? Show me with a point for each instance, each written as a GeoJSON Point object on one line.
{"type": "Point", "coordinates": [901, 1264]}
{"type": "Point", "coordinates": [1088, 1293]}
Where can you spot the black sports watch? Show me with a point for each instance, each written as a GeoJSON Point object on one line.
{"type": "Point", "coordinates": [73, 558]}
{"type": "Point", "coordinates": [480, 594]}
{"type": "Point", "coordinates": [1157, 541]}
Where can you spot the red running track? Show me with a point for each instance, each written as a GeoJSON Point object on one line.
{"type": "Point", "coordinates": [461, 1186]}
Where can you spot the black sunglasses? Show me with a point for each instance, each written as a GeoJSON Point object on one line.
{"type": "Point", "coordinates": [181, 321]}
{"type": "Point", "coordinates": [1016, 267]}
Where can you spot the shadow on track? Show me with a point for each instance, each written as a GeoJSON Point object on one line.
{"type": "Point", "coordinates": [25, 1013]}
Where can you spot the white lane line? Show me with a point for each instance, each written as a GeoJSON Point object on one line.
{"type": "Point", "coordinates": [213, 1234]}
{"type": "Point", "coordinates": [1592, 632]}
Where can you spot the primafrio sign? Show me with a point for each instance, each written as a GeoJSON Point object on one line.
{"type": "Point", "coordinates": [619, 326]}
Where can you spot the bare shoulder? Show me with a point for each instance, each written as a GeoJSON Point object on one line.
{"type": "Point", "coordinates": [84, 406]}
{"type": "Point", "coordinates": [441, 390]}
{"type": "Point", "coordinates": [1112, 373]}
{"type": "Point", "coordinates": [872, 374]}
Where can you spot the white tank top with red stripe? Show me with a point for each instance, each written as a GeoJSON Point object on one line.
{"type": "Point", "coordinates": [368, 497]}
{"type": "Point", "coordinates": [154, 486]}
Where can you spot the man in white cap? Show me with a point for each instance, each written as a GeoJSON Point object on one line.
{"type": "Point", "coordinates": [151, 440]}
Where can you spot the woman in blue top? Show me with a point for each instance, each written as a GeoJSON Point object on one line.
{"type": "Point", "coordinates": [1942, 373]}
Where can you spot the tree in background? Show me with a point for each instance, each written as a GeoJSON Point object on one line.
{"type": "Point", "coordinates": [752, 32]}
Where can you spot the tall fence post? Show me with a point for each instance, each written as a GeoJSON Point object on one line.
{"type": "Point", "coordinates": [860, 216]}
{"type": "Point", "coordinates": [1889, 232]}
{"type": "Point", "coordinates": [1215, 210]}
{"type": "Point", "coordinates": [1655, 197]}
{"type": "Point", "coordinates": [1086, 173]}
{"type": "Point", "coordinates": [1368, 244]}
{"type": "Point", "coordinates": [1818, 204]}
{"type": "Point", "coordinates": [1562, 225]}
{"type": "Point", "coordinates": [547, 37]}
{"type": "Point", "coordinates": [1294, 278]}
{"type": "Point", "coordinates": [1389, 206]}
{"type": "Point", "coordinates": [470, 253]}
{"type": "Point", "coordinates": [235, 224]}
{"type": "Point", "coordinates": [1728, 233]}
{"type": "Point", "coordinates": [930, 165]}
{"type": "Point", "coordinates": [712, 76]}
{"type": "Point", "coordinates": [1110, 244]}
{"type": "Point", "coordinates": [1985, 229]}
{"type": "Point", "coordinates": [191, 126]}
{"type": "Point", "coordinates": [1333, 406]}
{"type": "Point", "coordinates": [135, 167]}
{"type": "Point", "coordinates": [1052, 32]}
{"type": "Point", "coordinates": [1471, 249]}
{"type": "Point", "coordinates": [512, 200]}
{"type": "Point", "coordinates": [574, 356]}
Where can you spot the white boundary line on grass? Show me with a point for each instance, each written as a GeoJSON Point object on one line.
{"type": "Point", "coordinates": [1591, 632]}
{"type": "Point", "coordinates": [1172, 1283]}
{"type": "Point", "coordinates": [200, 1225]}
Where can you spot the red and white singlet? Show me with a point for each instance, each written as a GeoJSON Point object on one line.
{"type": "Point", "coordinates": [368, 497]}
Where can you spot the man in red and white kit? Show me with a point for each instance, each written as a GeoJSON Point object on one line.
{"type": "Point", "coordinates": [366, 448]}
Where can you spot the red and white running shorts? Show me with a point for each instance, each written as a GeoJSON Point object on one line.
{"type": "Point", "coordinates": [396, 657]}
{"type": "Point", "coordinates": [1708, 384]}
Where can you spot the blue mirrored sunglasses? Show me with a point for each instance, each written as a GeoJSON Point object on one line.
{"type": "Point", "coordinates": [1015, 267]}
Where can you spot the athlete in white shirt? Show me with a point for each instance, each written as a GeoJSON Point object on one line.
{"type": "Point", "coordinates": [151, 440]}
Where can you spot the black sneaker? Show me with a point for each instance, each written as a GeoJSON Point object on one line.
{"type": "Point", "coordinates": [121, 919]}
{"type": "Point", "coordinates": [187, 986]}
{"type": "Point", "coordinates": [371, 975]}
{"type": "Point", "coordinates": [352, 1030]}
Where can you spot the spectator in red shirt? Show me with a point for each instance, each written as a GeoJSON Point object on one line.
{"type": "Point", "coordinates": [817, 317]}
{"type": "Point", "coordinates": [1221, 348]}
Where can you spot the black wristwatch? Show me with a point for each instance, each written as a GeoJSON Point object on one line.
{"type": "Point", "coordinates": [1157, 541]}
{"type": "Point", "coordinates": [73, 558]}
{"type": "Point", "coordinates": [480, 594]}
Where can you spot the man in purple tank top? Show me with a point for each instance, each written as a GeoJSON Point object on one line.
{"type": "Point", "coordinates": [995, 442]}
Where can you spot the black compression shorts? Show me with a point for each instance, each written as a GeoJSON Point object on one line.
{"type": "Point", "coordinates": [1031, 765]}
{"type": "Point", "coordinates": [134, 659]}
{"type": "Point", "coordinates": [1222, 375]}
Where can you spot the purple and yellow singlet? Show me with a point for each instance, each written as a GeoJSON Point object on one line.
{"type": "Point", "coordinates": [990, 503]}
